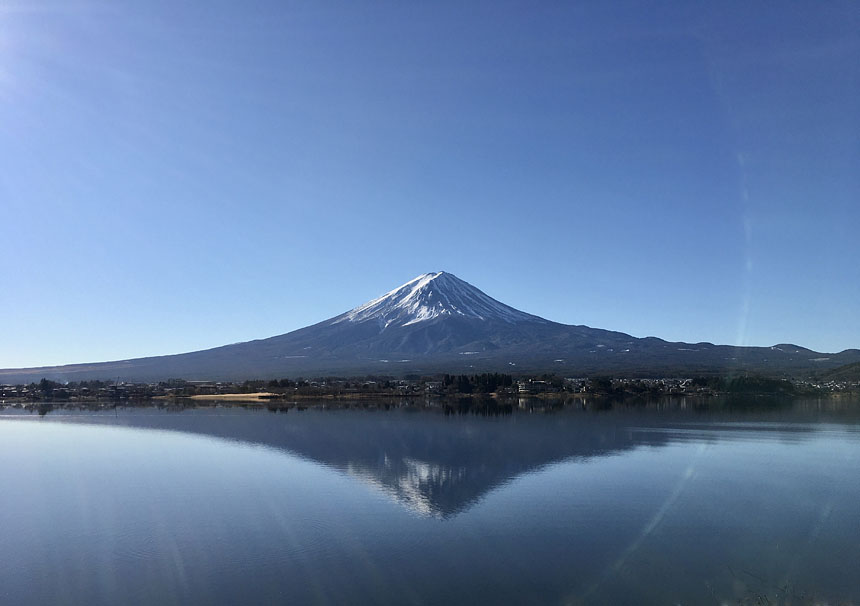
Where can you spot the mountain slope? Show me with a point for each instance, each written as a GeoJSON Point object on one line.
{"type": "Point", "coordinates": [439, 323]}
{"type": "Point", "coordinates": [849, 372]}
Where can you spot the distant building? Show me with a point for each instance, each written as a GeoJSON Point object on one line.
{"type": "Point", "coordinates": [532, 387]}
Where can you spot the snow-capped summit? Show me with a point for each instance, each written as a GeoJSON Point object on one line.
{"type": "Point", "coordinates": [431, 296]}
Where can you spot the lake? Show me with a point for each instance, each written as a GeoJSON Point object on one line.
{"type": "Point", "coordinates": [744, 502]}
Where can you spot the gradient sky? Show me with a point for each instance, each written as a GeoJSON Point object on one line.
{"type": "Point", "coordinates": [181, 175]}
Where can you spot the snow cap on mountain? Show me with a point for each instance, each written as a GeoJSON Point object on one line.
{"type": "Point", "coordinates": [431, 296]}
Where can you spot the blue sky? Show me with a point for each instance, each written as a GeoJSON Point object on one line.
{"type": "Point", "coordinates": [177, 176]}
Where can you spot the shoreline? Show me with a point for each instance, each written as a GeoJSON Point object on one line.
{"type": "Point", "coordinates": [491, 401]}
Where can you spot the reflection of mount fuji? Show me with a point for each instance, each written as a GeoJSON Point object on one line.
{"type": "Point", "coordinates": [432, 464]}
{"type": "Point", "coordinates": [441, 465]}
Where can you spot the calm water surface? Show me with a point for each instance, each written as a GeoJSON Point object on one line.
{"type": "Point", "coordinates": [629, 505]}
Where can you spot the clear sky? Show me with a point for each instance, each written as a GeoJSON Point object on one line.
{"type": "Point", "coordinates": [181, 175]}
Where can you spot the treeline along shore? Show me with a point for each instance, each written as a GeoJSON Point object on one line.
{"type": "Point", "coordinates": [494, 385]}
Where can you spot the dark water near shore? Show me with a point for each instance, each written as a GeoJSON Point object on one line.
{"type": "Point", "coordinates": [629, 505]}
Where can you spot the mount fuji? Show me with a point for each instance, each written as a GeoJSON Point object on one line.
{"type": "Point", "coordinates": [436, 323]}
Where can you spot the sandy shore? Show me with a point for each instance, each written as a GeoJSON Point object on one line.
{"type": "Point", "coordinates": [237, 397]}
